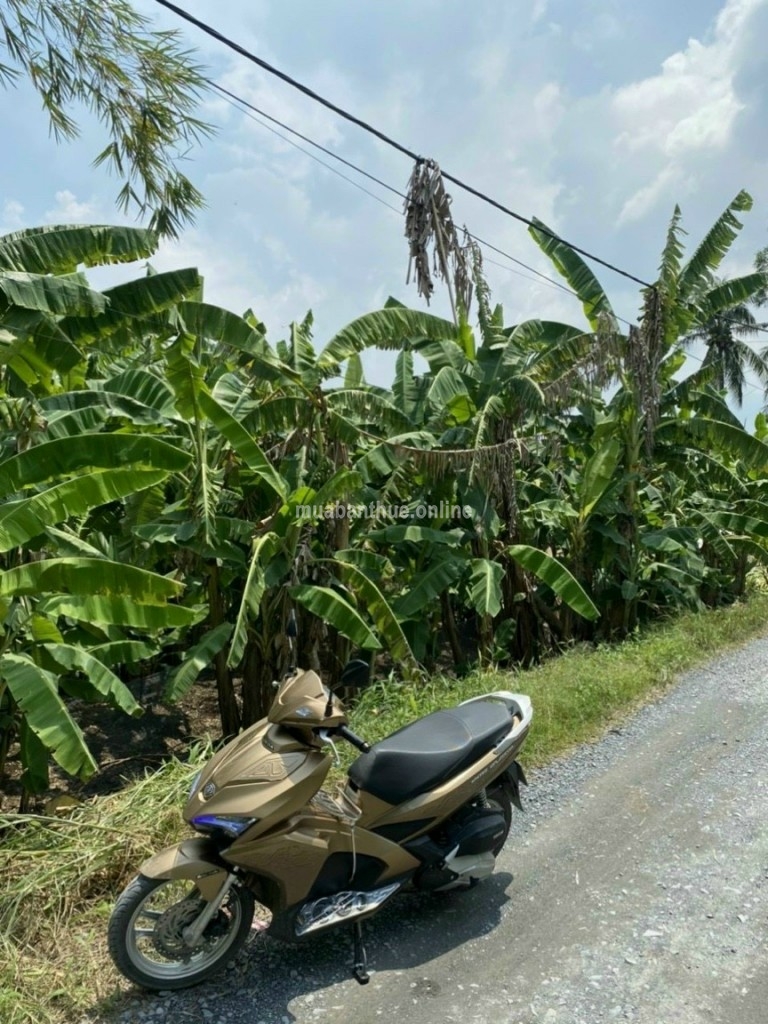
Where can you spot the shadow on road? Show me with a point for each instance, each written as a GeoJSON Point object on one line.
{"type": "Point", "coordinates": [411, 930]}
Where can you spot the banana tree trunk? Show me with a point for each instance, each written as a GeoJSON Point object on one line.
{"type": "Point", "coordinates": [228, 709]}
{"type": "Point", "coordinates": [449, 625]}
{"type": "Point", "coordinates": [259, 673]}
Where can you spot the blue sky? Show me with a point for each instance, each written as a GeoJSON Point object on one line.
{"type": "Point", "coordinates": [596, 117]}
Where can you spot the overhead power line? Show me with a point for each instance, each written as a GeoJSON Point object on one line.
{"type": "Point", "coordinates": [305, 138]}
{"type": "Point", "coordinates": [249, 109]}
{"type": "Point", "coordinates": [302, 149]}
{"type": "Point", "coordinates": [383, 137]}
{"type": "Point", "coordinates": [214, 33]}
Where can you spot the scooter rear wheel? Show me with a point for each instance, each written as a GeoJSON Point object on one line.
{"type": "Point", "coordinates": [145, 932]}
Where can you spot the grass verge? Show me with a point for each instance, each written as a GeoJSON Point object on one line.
{"type": "Point", "coordinates": [578, 695]}
{"type": "Point", "coordinates": [58, 877]}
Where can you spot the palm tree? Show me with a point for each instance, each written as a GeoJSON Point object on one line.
{"type": "Point", "coordinates": [728, 353]}
{"type": "Point", "coordinates": [761, 265]}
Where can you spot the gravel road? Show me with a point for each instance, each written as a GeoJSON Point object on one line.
{"type": "Point", "coordinates": [634, 889]}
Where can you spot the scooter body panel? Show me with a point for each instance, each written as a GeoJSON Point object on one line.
{"type": "Point", "coordinates": [296, 858]}
{"type": "Point", "coordinates": [265, 774]}
{"type": "Point", "coordinates": [196, 859]}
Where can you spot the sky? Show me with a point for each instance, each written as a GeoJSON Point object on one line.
{"type": "Point", "coordinates": [596, 117]}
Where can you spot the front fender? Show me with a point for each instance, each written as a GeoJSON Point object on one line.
{"type": "Point", "coordinates": [197, 859]}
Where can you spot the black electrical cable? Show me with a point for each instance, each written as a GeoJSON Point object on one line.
{"type": "Point", "coordinates": [234, 99]}
{"type": "Point", "coordinates": [304, 138]}
{"type": "Point", "coordinates": [215, 34]}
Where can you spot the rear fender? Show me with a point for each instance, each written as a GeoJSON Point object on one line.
{"type": "Point", "coordinates": [196, 859]}
{"type": "Point", "coordinates": [511, 779]}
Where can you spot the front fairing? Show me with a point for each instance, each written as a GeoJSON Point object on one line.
{"type": "Point", "coordinates": [264, 775]}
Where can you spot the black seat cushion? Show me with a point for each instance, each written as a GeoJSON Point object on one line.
{"type": "Point", "coordinates": [427, 752]}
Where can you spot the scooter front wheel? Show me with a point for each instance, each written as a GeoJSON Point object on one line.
{"type": "Point", "coordinates": [146, 928]}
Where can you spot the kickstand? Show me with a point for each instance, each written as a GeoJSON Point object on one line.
{"type": "Point", "coordinates": [360, 959]}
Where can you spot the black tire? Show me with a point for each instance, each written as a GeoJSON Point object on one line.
{"type": "Point", "coordinates": [160, 969]}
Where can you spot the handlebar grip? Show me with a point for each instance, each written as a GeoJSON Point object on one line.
{"type": "Point", "coordinates": [353, 738]}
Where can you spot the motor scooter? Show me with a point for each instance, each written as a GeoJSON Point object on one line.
{"type": "Point", "coordinates": [427, 808]}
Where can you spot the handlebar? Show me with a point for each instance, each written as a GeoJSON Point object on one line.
{"type": "Point", "coordinates": [353, 738]}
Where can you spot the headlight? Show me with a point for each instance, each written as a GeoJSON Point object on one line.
{"type": "Point", "coordinates": [232, 824]}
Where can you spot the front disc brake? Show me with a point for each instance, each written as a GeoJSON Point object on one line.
{"type": "Point", "coordinates": [168, 934]}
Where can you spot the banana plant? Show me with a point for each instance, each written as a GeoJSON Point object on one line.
{"type": "Point", "coordinates": [74, 615]}
{"type": "Point", "coordinates": [645, 360]}
{"type": "Point", "coordinates": [71, 613]}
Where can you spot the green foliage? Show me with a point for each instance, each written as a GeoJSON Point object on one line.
{"type": "Point", "coordinates": [485, 586]}
{"type": "Point", "coordinates": [47, 719]}
{"type": "Point", "coordinates": [196, 660]}
{"type": "Point", "coordinates": [392, 328]}
{"type": "Point", "coordinates": [575, 271]}
{"type": "Point", "coordinates": [332, 608]}
{"type": "Point", "coordinates": [557, 578]}
{"type": "Point", "coordinates": [141, 85]}
{"type": "Point", "coordinates": [172, 483]}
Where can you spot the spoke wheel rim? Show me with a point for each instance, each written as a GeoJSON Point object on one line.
{"type": "Point", "coordinates": [143, 942]}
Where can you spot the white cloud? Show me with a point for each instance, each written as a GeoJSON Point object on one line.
{"type": "Point", "coordinates": [691, 104]}
{"type": "Point", "coordinates": [642, 201]}
{"type": "Point", "coordinates": [488, 64]}
{"type": "Point", "coordinates": [669, 121]}
{"type": "Point", "coordinates": [12, 217]}
{"type": "Point", "coordinates": [602, 26]}
{"type": "Point", "coordinates": [234, 282]}
{"type": "Point", "coordinates": [548, 107]}
{"type": "Point", "coordinates": [277, 100]}
{"type": "Point", "coordinates": [69, 209]}
{"type": "Point", "coordinates": [539, 10]}
{"type": "Point", "coordinates": [227, 280]}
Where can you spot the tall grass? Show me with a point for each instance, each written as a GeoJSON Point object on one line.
{"type": "Point", "coordinates": [59, 877]}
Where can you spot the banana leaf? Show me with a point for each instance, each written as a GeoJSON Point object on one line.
{"type": "Point", "coordinates": [557, 577]}
{"type": "Point", "coordinates": [332, 608]}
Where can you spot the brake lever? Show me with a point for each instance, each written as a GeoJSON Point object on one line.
{"type": "Point", "coordinates": [325, 736]}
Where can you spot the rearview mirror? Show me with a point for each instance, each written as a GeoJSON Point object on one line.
{"type": "Point", "coordinates": [355, 674]}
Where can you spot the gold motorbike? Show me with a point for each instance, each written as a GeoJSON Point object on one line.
{"type": "Point", "coordinates": [427, 808]}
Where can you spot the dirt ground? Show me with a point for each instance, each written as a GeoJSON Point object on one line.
{"type": "Point", "coordinates": [125, 747]}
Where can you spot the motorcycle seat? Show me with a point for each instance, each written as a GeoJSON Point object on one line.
{"type": "Point", "coordinates": [427, 752]}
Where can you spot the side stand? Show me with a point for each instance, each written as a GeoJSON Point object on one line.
{"type": "Point", "coordinates": [359, 967]}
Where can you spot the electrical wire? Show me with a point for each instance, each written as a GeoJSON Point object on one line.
{"type": "Point", "coordinates": [294, 83]}
{"type": "Point", "coordinates": [313, 156]}
{"type": "Point", "coordinates": [365, 126]}
{"type": "Point", "coordinates": [247, 108]}
{"type": "Point", "coordinates": [305, 138]}
{"type": "Point", "coordinates": [236, 100]}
